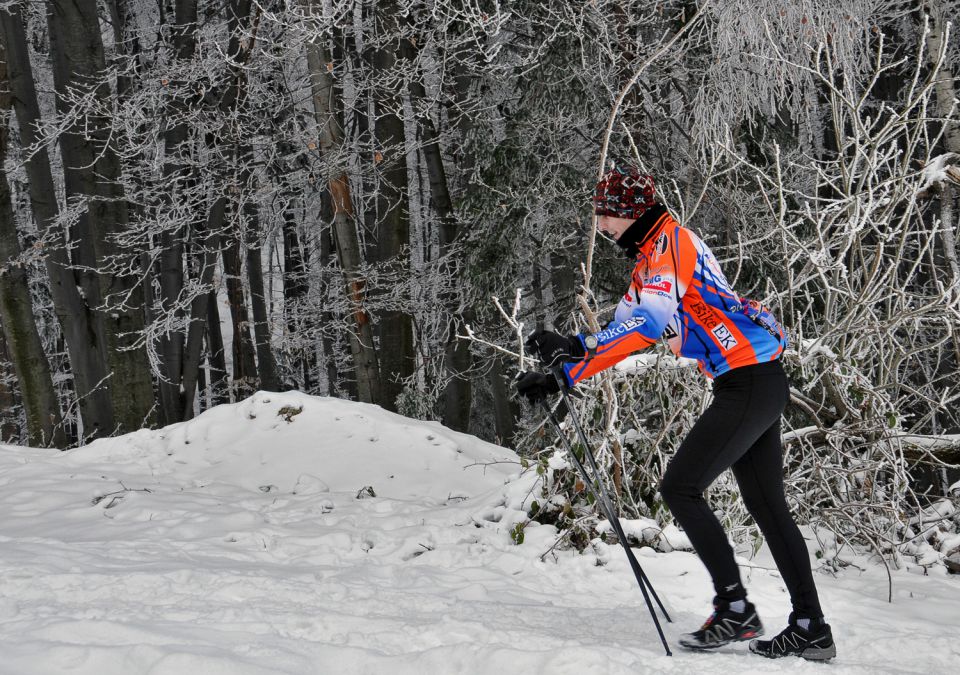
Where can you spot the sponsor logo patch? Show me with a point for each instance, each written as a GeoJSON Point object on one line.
{"type": "Point", "coordinates": [661, 246]}
{"type": "Point", "coordinates": [724, 336]}
{"type": "Point", "coordinates": [658, 283]}
{"type": "Point", "coordinates": [620, 329]}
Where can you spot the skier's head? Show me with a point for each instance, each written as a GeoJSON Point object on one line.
{"type": "Point", "coordinates": [624, 193]}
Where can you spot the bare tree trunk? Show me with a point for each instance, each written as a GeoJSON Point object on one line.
{"type": "Point", "coordinates": [176, 395]}
{"type": "Point", "coordinates": [244, 364]}
{"type": "Point", "coordinates": [563, 284]}
{"type": "Point", "coordinates": [458, 395]}
{"type": "Point", "coordinates": [266, 363]}
{"type": "Point", "coordinates": [944, 83]}
{"type": "Point", "coordinates": [44, 421]}
{"type": "Point", "coordinates": [92, 170]}
{"type": "Point", "coordinates": [239, 20]}
{"type": "Point", "coordinates": [199, 310]}
{"type": "Point", "coordinates": [82, 329]}
{"type": "Point", "coordinates": [294, 291]}
{"type": "Point", "coordinates": [329, 347]}
{"type": "Point", "coordinates": [505, 410]}
{"type": "Point", "coordinates": [216, 353]}
{"type": "Point", "coordinates": [946, 100]}
{"type": "Point", "coordinates": [326, 103]}
{"type": "Point", "coordinates": [393, 209]}
{"type": "Point", "coordinates": [9, 420]}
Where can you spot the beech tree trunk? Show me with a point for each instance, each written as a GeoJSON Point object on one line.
{"type": "Point", "coordinates": [176, 394]}
{"type": "Point", "coordinates": [82, 329]}
{"type": "Point", "coordinates": [92, 172]}
{"type": "Point", "coordinates": [395, 327]}
{"type": "Point", "coordinates": [9, 419]}
{"type": "Point", "coordinates": [240, 45]}
{"type": "Point", "coordinates": [457, 398]}
{"type": "Point", "coordinates": [266, 363]}
{"type": "Point", "coordinates": [199, 309]}
{"type": "Point", "coordinates": [44, 422]}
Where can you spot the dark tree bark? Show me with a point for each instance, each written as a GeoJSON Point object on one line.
{"type": "Point", "coordinates": [393, 214]}
{"type": "Point", "coordinates": [199, 311]}
{"type": "Point", "coordinates": [505, 409]}
{"type": "Point", "coordinates": [176, 393]}
{"type": "Point", "coordinates": [9, 422]}
{"type": "Point", "coordinates": [295, 289]}
{"type": "Point", "coordinates": [263, 374]}
{"type": "Point", "coordinates": [82, 329]}
{"type": "Point", "coordinates": [44, 421]}
{"type": "Point", "coordinates": [93, 172]}
{"type": "Point", "coordinates": [266, 363]}
{"type": "Point", "coordinates": [457, 398]}
{"type": "Point", "coordinates": [239, 20]}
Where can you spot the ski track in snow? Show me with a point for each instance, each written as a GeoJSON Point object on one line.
{"type": "Point", "coordinates": [252, 554]}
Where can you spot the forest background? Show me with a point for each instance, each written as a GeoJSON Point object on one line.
{"type": "Point", "coordinates": [203, 199]}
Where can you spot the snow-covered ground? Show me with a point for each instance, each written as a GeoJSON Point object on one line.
{"type": "Point", "coordinates": [247, 541]}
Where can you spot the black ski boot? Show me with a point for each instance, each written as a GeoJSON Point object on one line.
{"type": "Point", "coordinates": [724, 626]}
{"type": "Point", "coordinates": [814, 643]}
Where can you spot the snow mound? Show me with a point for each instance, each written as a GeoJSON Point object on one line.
{"type": "Point", "coordinates": [245, 542]}
{"type": "Point", "coordinates": [300, 444]}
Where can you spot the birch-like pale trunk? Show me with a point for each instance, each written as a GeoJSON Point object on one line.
{"type": "Point", "coordinates": [326, 104]}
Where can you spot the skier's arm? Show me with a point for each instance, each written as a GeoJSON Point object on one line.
{"type": "Point", "coordinates": [661, 293]}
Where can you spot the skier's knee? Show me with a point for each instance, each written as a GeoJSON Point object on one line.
{"type": "Point", "coordinates": [673, 490]}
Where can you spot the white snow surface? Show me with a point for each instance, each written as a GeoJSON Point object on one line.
{"type": "Point", "coordinates": [236, 544]}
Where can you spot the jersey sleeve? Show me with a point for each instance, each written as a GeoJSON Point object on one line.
{"type": "Point", "coordinates": [671, 273]}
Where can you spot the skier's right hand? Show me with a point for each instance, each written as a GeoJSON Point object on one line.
{"type": "Point", "coordinates": [554, 349]}
{"type": "Point", "coordinates": [536, 386]}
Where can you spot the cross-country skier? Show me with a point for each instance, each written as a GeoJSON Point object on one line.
{"type": "Point", "coordinates": [678, 291]}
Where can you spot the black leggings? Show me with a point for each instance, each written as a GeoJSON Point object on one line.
{"type": "Point", "coordinates": [741, 430]}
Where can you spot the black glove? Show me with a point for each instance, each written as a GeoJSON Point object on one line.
{"type": "Point", "coordinates": [536, 386]}
{"type": "Point", "coordinates": [553, 349]}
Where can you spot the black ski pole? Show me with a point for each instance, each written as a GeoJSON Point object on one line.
{"type": "Point", "coordinates": [606, 501]}
{"type": "Point", "coordinates": [638, 572]}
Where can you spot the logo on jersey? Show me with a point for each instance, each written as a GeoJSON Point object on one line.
{"type": "Point", "coordinates": [724, 336]}
{"type": "Point", "coordinates": [661, 246]}
{"type": "Point", "coordinates": [621, 328]}
{"type": "Point", "coordinates": [657, 283]}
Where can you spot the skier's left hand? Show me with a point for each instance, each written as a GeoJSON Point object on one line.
{"type": "Point", "coordinates": [536, 386]}
{"type": "Point", "coordinates": [553, 349]}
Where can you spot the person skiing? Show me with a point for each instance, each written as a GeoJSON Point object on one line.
{"type": "Point", "coordinates": [678, 291]}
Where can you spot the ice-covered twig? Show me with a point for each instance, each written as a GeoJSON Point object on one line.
{"type": "Point", "coordinates": [513, 321]}
{"type": "Point", "coordinates": [473, 338]}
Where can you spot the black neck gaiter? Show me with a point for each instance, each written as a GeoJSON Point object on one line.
{"type": "Point", "coordinates": [637, 234]}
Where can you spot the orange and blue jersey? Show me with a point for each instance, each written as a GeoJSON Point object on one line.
{"type": "Point", "coordinates": [677, 291]}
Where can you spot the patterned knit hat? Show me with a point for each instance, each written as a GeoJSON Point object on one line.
{"type": "Point", "coordinates": [625, 193]}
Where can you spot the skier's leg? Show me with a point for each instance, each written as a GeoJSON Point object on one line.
{"type": "Point", "coordinates": [759, 474]}
{"type": "Point", "coordinates": [744, 407]}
